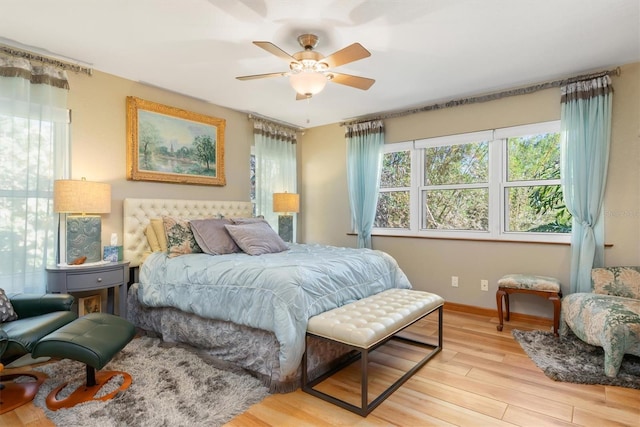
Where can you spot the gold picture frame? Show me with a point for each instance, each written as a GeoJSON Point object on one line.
{"type": "Point", "coordinates": [167, 144]}
{"type": "Point", "coordinates": [92, 304]}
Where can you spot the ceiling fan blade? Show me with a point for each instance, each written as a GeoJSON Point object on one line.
{"type": "Point", "coordinates": [261, 76]}
{"type": "Point", "coordinates": [275, 50]}
{"type": "Point", "coordinates": [363, 83]}
{"type": "Point", "coordinates": [350, 53]}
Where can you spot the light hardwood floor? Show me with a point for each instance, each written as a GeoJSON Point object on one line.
{"type": "Point", "coordinates": [481, 378]}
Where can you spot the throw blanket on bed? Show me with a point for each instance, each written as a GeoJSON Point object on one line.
{"type": "Point", "coordinates": [275, 292]}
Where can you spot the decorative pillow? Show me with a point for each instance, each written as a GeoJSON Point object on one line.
{"type": "Point", "coordinates": [152, 239]}
{"type": "Point", "coordinates": [257, 238]}
{"type": "Point", "coordinates": [617, 281]}
{"type": "Point", "coordinates": [7, 313]}
{"type": "Point", "coordinates": [180, 240]}
{"type": "Point", "coordinates": [158, 226]}
{"type": "Point", "coordinates": [212, 237]}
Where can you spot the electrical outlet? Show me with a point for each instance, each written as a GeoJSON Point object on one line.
{"type": "Point", "coordinates": [454, 281]}
{"type": "Point", "coordinates": [484, 285]}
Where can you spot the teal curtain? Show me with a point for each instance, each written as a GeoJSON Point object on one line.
{"type": "Point", "coordinates": [34, 141]}
{"type": "Point", "coordinates": [365, 142]}
{"type": "Point", "coordinates": [585, 137]}
{"type": "Point", "coordinates": [275, 169]}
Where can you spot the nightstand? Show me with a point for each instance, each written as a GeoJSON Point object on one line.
{"type": "Point", "coordinates": [69, 279]}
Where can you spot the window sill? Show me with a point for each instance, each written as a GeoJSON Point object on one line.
{"type": "Point", "coordinates": [468, 239]}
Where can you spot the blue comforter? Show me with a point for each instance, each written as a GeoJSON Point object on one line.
{"type": "Point", "coordinates": [274, 292]}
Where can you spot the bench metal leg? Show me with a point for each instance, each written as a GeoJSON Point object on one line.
{"type": "Point", "coordinates": [363, 355]}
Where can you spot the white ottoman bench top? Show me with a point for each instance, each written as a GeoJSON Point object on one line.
{"type": "Point", "coordinates": [366, 322]}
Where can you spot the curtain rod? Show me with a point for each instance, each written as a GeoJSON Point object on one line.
{"type": "Point", "coordinates": [20, 53]}
{"type": "Point", "coordinates": [485, 98]}
{"type": "Point", "coordinates": [254, 116]}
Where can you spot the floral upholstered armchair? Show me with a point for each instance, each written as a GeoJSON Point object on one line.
{"type": "Point", "coordinates": [609, 316]}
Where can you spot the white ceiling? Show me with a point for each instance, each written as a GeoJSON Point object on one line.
{"type": "Point", "coordinates": [422, 51]}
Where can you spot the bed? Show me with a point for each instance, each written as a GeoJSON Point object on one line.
{"type": "Point", "coordinates": [245, 308]}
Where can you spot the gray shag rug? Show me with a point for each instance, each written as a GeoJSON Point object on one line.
{"type": "Point", "coordinates": [172, 386]}
{"type": "Point", "coordinates": [569, 359]}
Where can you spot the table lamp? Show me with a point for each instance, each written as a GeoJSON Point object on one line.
{"type": "Point", "coordinates": [77, 198]}
{"type": "Point", "coordinates": [286, 203]}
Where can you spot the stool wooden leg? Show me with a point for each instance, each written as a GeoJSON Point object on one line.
{"type": "Point", "coordinates": [499, 294]}
{"type": "Point", "coordinates": [555, 299]}
{"type": "Point", "coordinates": [506, 306]}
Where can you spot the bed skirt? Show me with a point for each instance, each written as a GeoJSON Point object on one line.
{"type": "Point", "coordinates": [231, 345]}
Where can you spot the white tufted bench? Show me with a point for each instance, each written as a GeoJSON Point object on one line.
{"type": "Point", "coordinates": [365, 325]}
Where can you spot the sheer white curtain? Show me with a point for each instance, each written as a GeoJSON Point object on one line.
{"type": "Point", "coordinates": [34, 128]}
{"type": "Point", "coordinates": [275, 151]}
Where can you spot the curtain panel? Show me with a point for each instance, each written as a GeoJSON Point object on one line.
{"type": "Point", "coordinates": [276, 170]}
{"type": "Point", "coordinates": [34, 128]}
{"type": "Point", "coordinates": [585, 139]}
{"type": "Point", "coordinates": [365, 143]}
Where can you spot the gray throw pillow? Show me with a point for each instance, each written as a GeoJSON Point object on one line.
{"type": "Point", "coordinates": [212, 237]}
{"type": "Point", "coordinates": [257, 238]}
{"type": "Point", "coordinates": [7, 313]}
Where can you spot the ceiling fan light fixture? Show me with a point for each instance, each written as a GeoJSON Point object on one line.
{"type": "Point", "coordinates": [308, 82]}
{"type": "Point", "coordinates": [309, 70]}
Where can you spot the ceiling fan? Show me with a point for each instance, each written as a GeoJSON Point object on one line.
{"type": "Point", "coordinates": [309, 70]}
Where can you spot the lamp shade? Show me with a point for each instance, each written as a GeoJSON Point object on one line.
{"type": "Point", "coordinates": [81, 196]}
{"type": "Point", "coordinates": [308, 82]}
{"type": "Point", "coordinates": [286, 202]}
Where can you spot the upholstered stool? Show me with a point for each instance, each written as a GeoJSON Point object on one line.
{"type": "Point", "coordinates": [543, 286]}
{"type": "Point", "coordinates": [93, 340]}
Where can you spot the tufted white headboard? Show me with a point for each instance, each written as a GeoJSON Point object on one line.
{"type": "Point", "coordinates": [138, 214]}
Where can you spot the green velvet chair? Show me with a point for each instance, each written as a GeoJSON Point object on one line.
{"type": "Point", "coordinates": [38, 316]}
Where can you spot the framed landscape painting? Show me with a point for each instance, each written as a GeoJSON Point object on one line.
{"type": "Point", "coordinates": [167, 144]}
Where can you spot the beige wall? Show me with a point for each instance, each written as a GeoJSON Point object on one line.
{"type": "Point", "coordinates": [98, 143]}
{"type": "Point", "coordinates": [430, 263]}
{"type": "Point", "coordinates": [98, 135]}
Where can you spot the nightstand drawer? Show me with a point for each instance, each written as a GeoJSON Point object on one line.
{"type": "Point", "coordinates": [93, 280]}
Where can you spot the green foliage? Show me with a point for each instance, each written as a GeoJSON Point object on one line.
{"type": "Point", "coordinates": [148, 140]}
{"type": "Point", "coordinates": [393, 210]}
{"type": "Point", "coordinates": [393, 206]}
{"type": "Point", "coordinates": [534, 157]}
{"type": "Point", "coordinates": [205, 150]}
{"type": "Point", "coordinates": [457, 164]}
{"type": "Point", "coordinates": [531, 208]}
{"type": "Point", "coordinates": [459, 209]}
{"type": "Point", "coordinates": [396, 169]}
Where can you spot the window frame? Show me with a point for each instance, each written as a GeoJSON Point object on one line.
{"type": "Point", "coordinates": [497, 185]}
{"type": "Point", "coordinates": [413, 190]}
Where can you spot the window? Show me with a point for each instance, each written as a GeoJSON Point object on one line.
{"type": "Point", "coordinates": [394, 199]}
{"type": "Point", "coordinates": [500, 184]}
{"type": "Point", "coordinates": [38, 151]}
